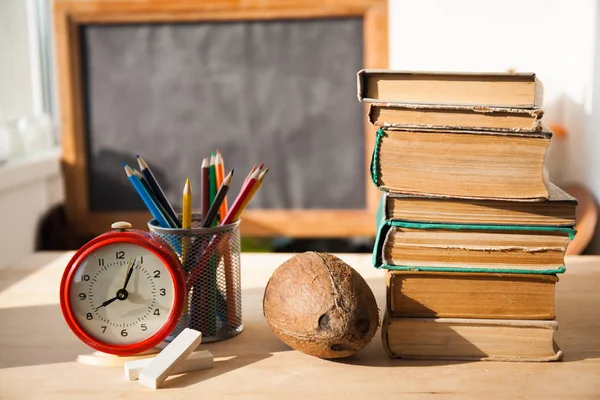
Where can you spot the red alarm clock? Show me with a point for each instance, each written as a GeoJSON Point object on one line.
{"type": "Point", "coordinates": [123, 292]}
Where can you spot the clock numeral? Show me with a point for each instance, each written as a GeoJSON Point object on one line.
{"type": "Point", "coordinates": [86, 278]}
{"type": "Point", "coordinates": [82, 296]}
{"type": "Point", "coordinates": [120, 255]}
{"type": "Point", "coordinates": [141, 259]}
{"type": "Point", "coordinates": [124, 332]}
{"type": "Point", "coordinates": [157, 312]}
{"type": "Point", "coordinates": [157, 274]}
{"type": "Point", "coordinates": [163, 292]}
{"type": "Point", "coordinates": [144, 327]}
{"type": "Point", "coordinates": [89, 316]}
{"type": "Point", "coordinates": [103, 328]}
{"type": "Point", "coordinates": [101, 262]}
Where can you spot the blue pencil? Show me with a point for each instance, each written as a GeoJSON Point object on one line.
{"type": "Point", "coordinates": [146, 198]}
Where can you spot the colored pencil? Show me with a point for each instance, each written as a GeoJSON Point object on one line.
{"type": "Point", "coordinates": [157, 191]}
{"type": "Point", "coordinates": [259, 181]}
{"type": "Point", "coordinates": [146, 197]}
{"type": "Point", "coordinates": [186, 218]}
{"type": "Point", "coordinates": [186, 221]}
{"type": "Point", "coordinates": [204, 187]}
{"type": "Point", "coordinates": [238, 203]}
{"type": "Point", "coordinates": [212, 179]}
{"type": "Point", "coordinates": [220, 169]}
{"type": "Point", "coordinates": [216, 205]}
{"type": "Point", "coordinates": [212, 171]}
{"type": "Point", "coordinates": [173, 222]}
{"type": "Point", "coordinates": [252, 171]}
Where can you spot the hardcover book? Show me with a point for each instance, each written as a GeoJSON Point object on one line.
{"type": "Point", "coordinates": [470, 295]}
{"type": "Point", "coordinates": [470, 339]}
{"type": "Point", "coordinates": [471, 248]}
{"type": "Point", "coordinates": [462, 164]}
{"type": "Point", "coordinates": [417, 116]}
{"type": "Point", "coordinates": [516, 90]}
{"type": "Point", "coordinates": [557, 210]}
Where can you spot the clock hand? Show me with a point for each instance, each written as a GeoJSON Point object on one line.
{"type": "Point", "coordinates": [107, 302]}
{"type": "Point", "coordinates": [129, 272]}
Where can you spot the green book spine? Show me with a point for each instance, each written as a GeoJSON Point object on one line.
{"type": "Point", "coordinates": [375, 167]}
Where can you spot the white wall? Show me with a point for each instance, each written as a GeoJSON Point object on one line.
{"type": "Point", "coordinates": [28, 188]}
{"type": "Point", "coordinates": [16, 93]}
{"type": "Point", "coordinates": [556, 39]}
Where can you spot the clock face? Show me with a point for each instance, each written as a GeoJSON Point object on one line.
{"type": "Point", "coordinates": [121, 293]}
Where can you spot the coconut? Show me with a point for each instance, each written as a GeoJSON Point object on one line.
{"type": "Point", "coordinates": [319, 305]}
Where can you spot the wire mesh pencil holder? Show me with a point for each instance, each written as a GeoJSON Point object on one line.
{"type": "Point", "coordinates": [211, 257]}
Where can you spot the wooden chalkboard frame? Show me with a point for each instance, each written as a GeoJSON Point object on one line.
{"type": "Point", "coordinates": [70, 15]}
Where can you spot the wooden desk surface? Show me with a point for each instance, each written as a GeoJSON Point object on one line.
{"type": "Point", "coordinates": [38, 351]}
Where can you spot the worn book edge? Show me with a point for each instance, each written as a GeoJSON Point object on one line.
{"type": "Point", "coordinates": [535, 113]}
{"type": "Point", "coordinates": [375, 165]}
{"type": "Point", "coordinates": [395, 279]}
{"type": "Point", "coordinates": [558, 354]}
{"type": "Point", "coordinates": [361, 82]}
{"type": "Point", "coordinates": [556, 196]}
{"type": "Point", "coordinates": [385, 226]}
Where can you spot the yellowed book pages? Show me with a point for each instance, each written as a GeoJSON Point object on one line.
{"type": "Point", "coordinates": [557, 210]}
{"type": "Point", "coordinates": [411, 116]}
{"type": "Point", "coordinates": [470, 295]}
{"type": "Point", "coordinates": [519, 90]}
{"type": "Point", "coordinates": [470, 249]}
{"type": "Point", "coordinates": [463, 164]}
{"type": "Point", "coordinates": [470, 339]}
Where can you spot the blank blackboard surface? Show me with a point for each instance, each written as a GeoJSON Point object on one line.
{"type": "Point", "coordinates": [279, 92]}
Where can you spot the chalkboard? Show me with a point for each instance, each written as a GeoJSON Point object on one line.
{"type": "Point", "coordinates": [278, 92]}
{"type": "Point", "coordinates": [260, 80]}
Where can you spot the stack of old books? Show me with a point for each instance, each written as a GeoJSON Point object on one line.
{"type": "Point", "coordinates": [471, 231]}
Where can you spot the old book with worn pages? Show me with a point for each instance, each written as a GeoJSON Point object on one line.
{"type": "Point", "coordinates": [433, 116]}
{"type": "Point", "coordinates": [516, 90]}
{"type": "Point", "coordinates": [461, 164]}
{"type": "Point", "coordinates": [521, 249]}
{"type": "Point", "coordinates": [557, 210]}
{"type": "Point", "coordinates": [470, 339]}
{"type": "Point", "coordinates": [470, 295]}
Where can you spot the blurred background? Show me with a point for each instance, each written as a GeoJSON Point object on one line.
{"type": "Point", "coordinates": [559, 40]}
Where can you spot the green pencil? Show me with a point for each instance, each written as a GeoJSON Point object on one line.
{"type": "Point", "coordinates": [213, 182]}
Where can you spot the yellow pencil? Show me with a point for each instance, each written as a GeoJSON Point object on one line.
{"type": "Point", "coordinates": [186, 220]}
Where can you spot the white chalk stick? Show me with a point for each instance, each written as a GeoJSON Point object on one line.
{"type": "Point", "coordinates": [195, 361]}
{"type": "Point", "coordinates": [169, 358]}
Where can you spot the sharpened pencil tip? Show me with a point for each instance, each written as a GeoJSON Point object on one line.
{"type": "Point", "coordinates": [187, 188]}
{"type": "Point", "coordinates": [227, 179]}
{"type": "Point", "coordinates": [255, 174]}
{"type": "Point", "coordinates": [142, 163]}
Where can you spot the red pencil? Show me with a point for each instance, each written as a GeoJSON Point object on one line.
{"type": "Point", "coordinates": [204, 187]}
{"type": "Point", "coordinates": [239, 200]}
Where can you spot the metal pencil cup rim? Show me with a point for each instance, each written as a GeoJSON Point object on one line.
{"type": "Point", "coordinates": [213, 305]}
